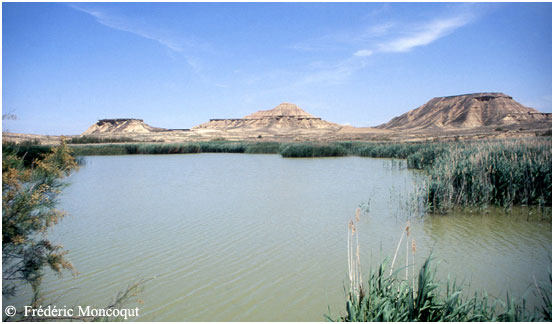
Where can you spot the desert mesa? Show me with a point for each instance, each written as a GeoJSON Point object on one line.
{"type": "Point", "coordinates": [467, 116]}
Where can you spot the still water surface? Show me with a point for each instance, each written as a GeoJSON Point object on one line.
{"type": "Point", "coordinates": [236, 237]}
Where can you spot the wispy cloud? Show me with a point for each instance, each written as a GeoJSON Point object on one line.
{"type": "Point", "coordinates": [126, 25]}
{"type": "Point", "coordinates": [377, 30]}
{"type": "Point", "coordinates": [379, 38]}
{"type": "Point", "coordinates": [332, 73]}
{"type": "Point", "coordinates": [177, 46]}
{"type": "Point", "coordinates": [330, 42]}
{"type": "Point", "coordinates": [424, 34]}
{"type": "Point", "coordinates": [363, 52]}
{"type": "Point", "coordinates": [340, 40]}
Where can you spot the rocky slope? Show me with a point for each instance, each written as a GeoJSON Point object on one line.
{"type": "Point", "coordinates": [467, 111]}
{"type": "Point", "coordinates": [284, 116]}
{"type": "Point", "coordinates": [121, 125]}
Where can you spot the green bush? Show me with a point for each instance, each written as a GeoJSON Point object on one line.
{"type": "Point", "coordinates": [29, 196]}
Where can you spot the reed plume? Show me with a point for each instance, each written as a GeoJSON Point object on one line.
{"type": "Point", "coordinates": [406, 230]}
{"type": "Point", "coordinates": [354, 265]}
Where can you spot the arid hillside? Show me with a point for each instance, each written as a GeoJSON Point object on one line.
{"type": "Point", "coordinates": [284, 116]}
{"type": "Point", "coordinates": [466, 112]}
{"type": "Point", "coordinates": [470, 116]}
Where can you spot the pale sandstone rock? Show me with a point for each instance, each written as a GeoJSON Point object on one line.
{"type": "Point", "coordinates": [285, 116]}
{"type": "Point", "coordinates": [121, 125]}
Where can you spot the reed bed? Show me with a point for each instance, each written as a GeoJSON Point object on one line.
{"type": "Point", "coordinates": [178, 148]}
{"type": "Point", "coordinates": [263, 148]}
{"type": "Point", "coordinates": [87, 139]}
{"type": "Point", "coordinates": [103, 149]}
{"type": "Point", "coordinates": [502, 173]}
{"type": "Point", "coordinates": [386, 150]}
{"type": "Point", "coordinates": [303, 150]}
{"type": "Point", "coordinates": [390, 297]}
{"type": "Point", "coordinates": [28, 151]}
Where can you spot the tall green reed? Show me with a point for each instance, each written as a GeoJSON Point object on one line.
{"type": "Point", "coordinates": [302, 150]}
{"type": "Point", "coordinates": [390, 297]}
{"type": "Point", "coordinates": [502, 173]}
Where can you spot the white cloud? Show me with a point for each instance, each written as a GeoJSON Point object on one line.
{"type": "Point", "coordinates": [381, 37]}
{"type": "Point", "coordinates": [420, 34]}
{"type": "Point", "coordinates": [424, 34]}
{"type": "Point", "coordinates": [363, 52]}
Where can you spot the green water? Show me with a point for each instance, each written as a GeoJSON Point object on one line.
{"type": "Point", "coordinates": [233, 237]}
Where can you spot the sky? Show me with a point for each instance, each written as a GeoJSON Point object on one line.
{"type": "Point", "coordinates": [176, 65]}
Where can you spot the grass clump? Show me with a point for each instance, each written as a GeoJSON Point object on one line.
{"type": "Point", "coordinates": [387, 150]}
{"type": "Point", "coordinates": [311, 150]}
{"type": "Point", "coordinates": [262, 148]}
{"type": "Point", "coordinates": [173, 148]}
{"type": "Point", "coordinates": [425, 156]}
{"type": "Point", "coordinates": [222, 147]}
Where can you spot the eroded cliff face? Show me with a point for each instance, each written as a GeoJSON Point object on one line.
{"type": "Point", "coordinates": [284, 116]}
{"type": "Point", "coordinates": [467, 111]}
{"type": "Point", "coordinates": [121, 125]}
{"type": "Point", "coordinates": [470, 116]}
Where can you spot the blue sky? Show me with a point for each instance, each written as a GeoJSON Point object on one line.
{"type": "Point", "coordinates": [177, 65]}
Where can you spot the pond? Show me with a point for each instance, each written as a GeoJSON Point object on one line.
{"type": "Point", "coordinates": [241, 237]}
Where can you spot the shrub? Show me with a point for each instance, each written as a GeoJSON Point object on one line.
{"type": "Point", "coordinates": [28, 211]}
